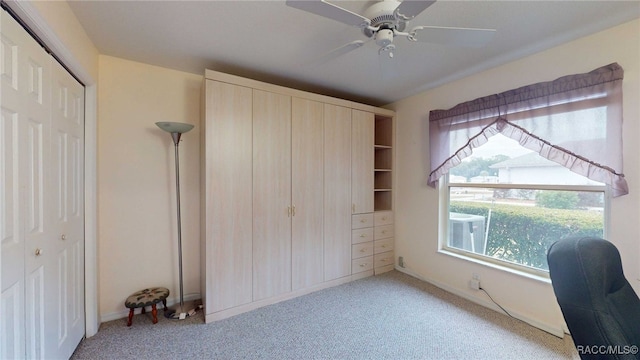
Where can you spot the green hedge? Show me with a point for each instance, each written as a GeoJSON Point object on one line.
{"type": "Point", "coordinates": [523, 234]}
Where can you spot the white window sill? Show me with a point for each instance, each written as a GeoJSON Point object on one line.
{"type": "Point", "coordinates": [494, 265]}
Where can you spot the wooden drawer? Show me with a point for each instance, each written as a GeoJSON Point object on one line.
{"type": "Point", "coordinates": [360, 221]}
{"type": "Point", "coordinates": [383, 269]}
{"type": "Point", "coordinates": [384, 245]}
{"type": "Point", "coordinates": [362, 264]}
{"type": "Point", "coordinates": [383, 259]}
{"type": "Point", "coordinates": [382, 232]}
{"type": "Point", "coordinates": [361, 235]}
{"type": "Point", "coordinates": [361, 250]}
{"type": "Point", "coordinates": [383, 218]}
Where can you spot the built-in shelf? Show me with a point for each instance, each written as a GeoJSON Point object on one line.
{"type": "Point", "coordinates": [383, 167]}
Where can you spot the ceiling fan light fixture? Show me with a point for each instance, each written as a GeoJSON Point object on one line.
{"type": "Point", "coordinates": [384, 37]}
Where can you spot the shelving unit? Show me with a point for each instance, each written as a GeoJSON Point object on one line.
{"type": "Point", "coordinates": [383, 168]}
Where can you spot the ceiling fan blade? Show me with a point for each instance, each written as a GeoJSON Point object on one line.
{"type": "Point", "coordinates": [328, 10]}
{"type": "Point", "coordinates": [465, 37]}
{"type": "Point", "coordinates": [339, 51]}
{"type": "Point", "coordinates": [408, 9]}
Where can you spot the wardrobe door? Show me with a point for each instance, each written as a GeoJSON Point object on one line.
{"type": "Point", "coordinates": [307, 189]}
{"type": "Point", "coordinates": [362, 155]}
{"type": "Point", "coordinates": [337, 192]}
{"type": "Point", "coordinates": [25, 226]}
{"type": "Point", "coordinates": [67, 199]}
{"type": "Point", "coordinates": [227, 181]}
{"type": "Point", "coordinates": [272, 208]}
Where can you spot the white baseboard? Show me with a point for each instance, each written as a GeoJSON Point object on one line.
{"type": "Point", "coordinates": [125, 312]}
{"type": "Point", "coordinates": [553, 330]}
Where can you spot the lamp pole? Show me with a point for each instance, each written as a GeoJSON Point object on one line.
{"type": "Point", "coordinates": [180, 311]}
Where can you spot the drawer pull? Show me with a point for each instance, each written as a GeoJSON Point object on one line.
{"type": "Point", "coordinates": [363, 235]}
{"type": "Point", "coordinates": [363, 250]}
{"type": "Point", "coordinates": [384, 218]}
{"type": "Point", "coordinates": [363, 220]}
{"type": "Point", "coordinates": [384, 231]}
{"type": "Point", "coordinates": [363, 265]}
{"type": "Point", "coordinates": [384, 260]}
{"type": "Point", "coordinates": [383, 246]}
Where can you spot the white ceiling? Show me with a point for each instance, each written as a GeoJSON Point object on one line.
{"type": "Point", "coordinates": [269, 41]}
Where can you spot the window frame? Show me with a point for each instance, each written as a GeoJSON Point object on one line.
{"type": "Point", "coordinates": [443, 222]}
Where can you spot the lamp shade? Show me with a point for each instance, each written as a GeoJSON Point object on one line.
{"type": "Point", "coordinates": [174, 127]}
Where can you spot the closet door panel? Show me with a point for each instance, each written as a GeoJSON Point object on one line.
{"type": "Point", "coordinates": [68, 199]}
{"type": "Point", "coordinates": [362, 154]}
{"type": "Point", "coordinates": [27, 255]}
{"type": "Point", "coordinates": [307, 189]}
{"type": "Point", "coordinates": [337, 192]}
{"type": "Point", "coordinates": [228, 188]}
{"type": "Point", "coordinates": [271, 194]}
{"type": "Point", "coordinates": [12, 329]}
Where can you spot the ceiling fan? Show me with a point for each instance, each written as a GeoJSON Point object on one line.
{"type": "Point", "coordinates": [385, 20]}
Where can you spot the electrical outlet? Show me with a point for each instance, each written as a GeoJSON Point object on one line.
{"type": "Point", "coordinates": [474, 284]}
{"type": "Point", "coordinates": [475, 276]}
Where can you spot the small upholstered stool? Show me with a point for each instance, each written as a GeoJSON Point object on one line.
{"type": "Point", "coordinates": [144, 298]}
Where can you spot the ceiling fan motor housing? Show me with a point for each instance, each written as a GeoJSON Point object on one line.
{"type": "Point", "coordinates": [382, 15]}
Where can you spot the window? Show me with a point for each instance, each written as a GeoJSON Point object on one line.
{"type": "Point", "coordinates": [508, 204]}
{"type": "Point", "coordinates": [524, 168]}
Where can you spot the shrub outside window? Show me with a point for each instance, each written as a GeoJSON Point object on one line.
{"type": "Point", "coordinates": [507, 204]}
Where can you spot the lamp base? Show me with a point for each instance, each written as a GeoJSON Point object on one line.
{"type": "Point", "coordinates": [178, 312]}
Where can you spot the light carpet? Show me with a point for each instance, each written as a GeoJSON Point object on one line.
{"type": "Point", "coordinates": [391, 316]}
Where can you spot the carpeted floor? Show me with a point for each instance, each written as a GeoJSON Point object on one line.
{"type": "Point", "coordinates": [392, 316]}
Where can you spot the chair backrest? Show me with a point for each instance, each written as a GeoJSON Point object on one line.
{"type": "Point", "coordinates": [600, 307]}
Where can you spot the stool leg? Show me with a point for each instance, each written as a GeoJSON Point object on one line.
{"type": "Point", "coordinates": [154, 312]}
{"type": "Point", "coordinates": [130, 317]}
{"type": "Point", "coordinates": [164, 303]}
{"type": "Point", "coordinates": [144, 310]}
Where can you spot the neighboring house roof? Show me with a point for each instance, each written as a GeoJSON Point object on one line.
{"type": "Point", "coordinates": [528, 160]}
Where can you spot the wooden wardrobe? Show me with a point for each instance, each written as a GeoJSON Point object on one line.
{"type": "Point", "coordinates": [285, 174]}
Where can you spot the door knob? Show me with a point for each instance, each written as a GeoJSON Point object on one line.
{"type": "Point", "coordinates": [38, 252]}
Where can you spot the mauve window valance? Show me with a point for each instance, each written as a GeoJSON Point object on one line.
{"type": "Point", "coordinates": [575, 121]}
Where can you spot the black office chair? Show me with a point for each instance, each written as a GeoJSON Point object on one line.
{"type": "Point", "coordinates": [599, 305]}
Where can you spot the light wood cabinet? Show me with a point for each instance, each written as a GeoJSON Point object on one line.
{"type": "Point", "coordinates": [227, 256]}
{"type": "Point", "coordinates": [288, 194]}
{"type": "Point", "coordinates": [362, 153]}
{"type": "Point", "coordinates": [337, 192]}
{"type": "Point", "coordinates": [272, 209]}
{"type": "Point", "coordinates": [362, 236]}
{"type": "Point", "coordinates": [307, 207]}
{"type": "Point", "coordinates": [383, 235]}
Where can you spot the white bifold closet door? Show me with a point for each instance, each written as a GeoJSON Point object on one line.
{"type": "Point", "coordinates": [41, 201]}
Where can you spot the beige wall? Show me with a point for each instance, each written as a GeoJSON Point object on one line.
{"type": "Point", "coordinates": [417, 204]}
{"type": "Point", "coordinates": [137, 228]}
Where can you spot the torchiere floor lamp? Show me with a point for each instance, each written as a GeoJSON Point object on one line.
{"type": "Point", "coordinates": [179, 311]}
